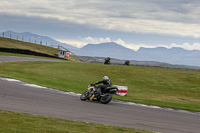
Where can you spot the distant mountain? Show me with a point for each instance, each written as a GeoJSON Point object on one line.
{"type": "Point", "coordinates": [174, 55]}
{"type": "Point", "coordinates": [163, 51]}
{"type": "Point", "coordinates": [160, 54]}
{"type": "Point", "coordinates": [33, 38]}
{"type": "Point", "coordinates": [111, 49]}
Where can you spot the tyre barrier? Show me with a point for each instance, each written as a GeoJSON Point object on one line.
{"type": "Point", "coordinates": [25, 51]}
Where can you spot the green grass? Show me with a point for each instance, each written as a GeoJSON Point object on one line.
{"type": "Point", "coordinates": [153, 86]}
{"type": "Point", "coordinates": [11, 122]}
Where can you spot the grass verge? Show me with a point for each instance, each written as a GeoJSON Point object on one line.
{"type": "Point", "coordinates": [12, 122]}
{"type": "Point", "coordinates": [164, 87]}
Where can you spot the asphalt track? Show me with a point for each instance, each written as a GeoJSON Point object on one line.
{"type": "Point", "coordinates": [29, 99]}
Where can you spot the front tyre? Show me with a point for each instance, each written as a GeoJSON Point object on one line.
{"type": "Point", "coordinates": [106, 99]}
{"type": "Point", "coordinates": [84, 96]}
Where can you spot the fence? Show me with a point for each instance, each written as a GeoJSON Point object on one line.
{"type": "Point", "coordinates": [27, 39]}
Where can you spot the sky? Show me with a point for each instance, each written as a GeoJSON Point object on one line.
{"type": "Point", "coordinates": [130, 23]}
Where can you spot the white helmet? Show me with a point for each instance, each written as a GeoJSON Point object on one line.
{"type": "Point", "coordinates": [105, 78]}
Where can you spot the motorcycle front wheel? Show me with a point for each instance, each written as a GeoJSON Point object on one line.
{"type": "Point", "coordinates": [84, 96]}
{"type": "Point", "coordinates": [106, 99]}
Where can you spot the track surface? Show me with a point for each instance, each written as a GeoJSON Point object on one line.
{"type": "Point", "coordinates": [20, 98]}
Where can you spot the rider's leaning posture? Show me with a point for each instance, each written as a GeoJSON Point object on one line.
{"type": "Point", "coordinates": [106, 83]}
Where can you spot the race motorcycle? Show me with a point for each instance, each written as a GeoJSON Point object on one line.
{"type": "Point", "coordinates": [104, 96]}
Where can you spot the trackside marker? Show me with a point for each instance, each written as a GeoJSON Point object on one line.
{"type": "Point", "coordinates": [122, 90]}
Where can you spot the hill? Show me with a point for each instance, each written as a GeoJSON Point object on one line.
{"type": "Point", "coordinates": [40, 50]}
{"type": "Point", "coordinates": [172, 56]}
{"type": "Point", "coordinates": [10, 43]}
{"type": "Point", "coordinates": [105, 50]}
{"type": "Point", "coordinates": [37, 39]}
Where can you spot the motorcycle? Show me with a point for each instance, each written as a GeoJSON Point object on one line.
{"type": "Point", "coordinates": [107, 61]}
{"type": "Point", "coordinates": [104, 96]}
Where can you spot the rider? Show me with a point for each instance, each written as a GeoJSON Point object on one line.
{"type": "Point", "coordinates": [107, 60]}
{"type": "Point", "coordinates": [106, 83]}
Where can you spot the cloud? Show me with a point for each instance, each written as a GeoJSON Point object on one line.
{"type": "Point", "coordinates": [194, 46]}
{"type": "Point", "coordinates": [75, 43]}
{"type": "Point", "coordinates": [173, 17]}
{"type": "Point", "coordinates": [91, 40]}
{"type": "Point", "coordinates": [187, 46]}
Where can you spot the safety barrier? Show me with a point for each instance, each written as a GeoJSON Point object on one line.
{"type": "Point", "coordinates": [24, 51]}
{"type": "Point", "coordinates": [122, 90]}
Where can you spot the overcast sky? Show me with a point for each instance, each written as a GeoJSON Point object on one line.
{"type": "Point", "coordinates": [131, 23]}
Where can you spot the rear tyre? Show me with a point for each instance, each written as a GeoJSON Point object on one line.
{"type": "Point", "coordinates": [84, 96]}
{"type": "Point", "coordinates": [106, 99]}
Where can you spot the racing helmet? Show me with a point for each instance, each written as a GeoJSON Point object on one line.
{"type": "Point", "coordinates": [105, 78]}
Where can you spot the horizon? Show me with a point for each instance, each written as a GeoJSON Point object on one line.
{"type": "Point", "coordinates": [95, 43]}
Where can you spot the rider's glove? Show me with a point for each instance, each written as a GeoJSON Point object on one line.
{"type": "Point", "coordinates": [93, 84]}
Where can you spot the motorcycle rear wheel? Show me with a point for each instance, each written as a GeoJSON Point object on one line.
{"type": "Point", "coordinates": [106, 99]}
{"type": "Point", "coordinates": [84, 96]}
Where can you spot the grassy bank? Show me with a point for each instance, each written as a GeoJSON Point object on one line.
{"type": "Point", "coordinates": [10, 43]}
{"type": "Point", "coordinates": [154, 86]}
{"type": "Point", "coordinates": [22, 123]}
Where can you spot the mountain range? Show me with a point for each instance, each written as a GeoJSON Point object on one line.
{"type": "Point", "coordinates": [174, 55]}
{"type": "Point", "coordinates": [111, 49]}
